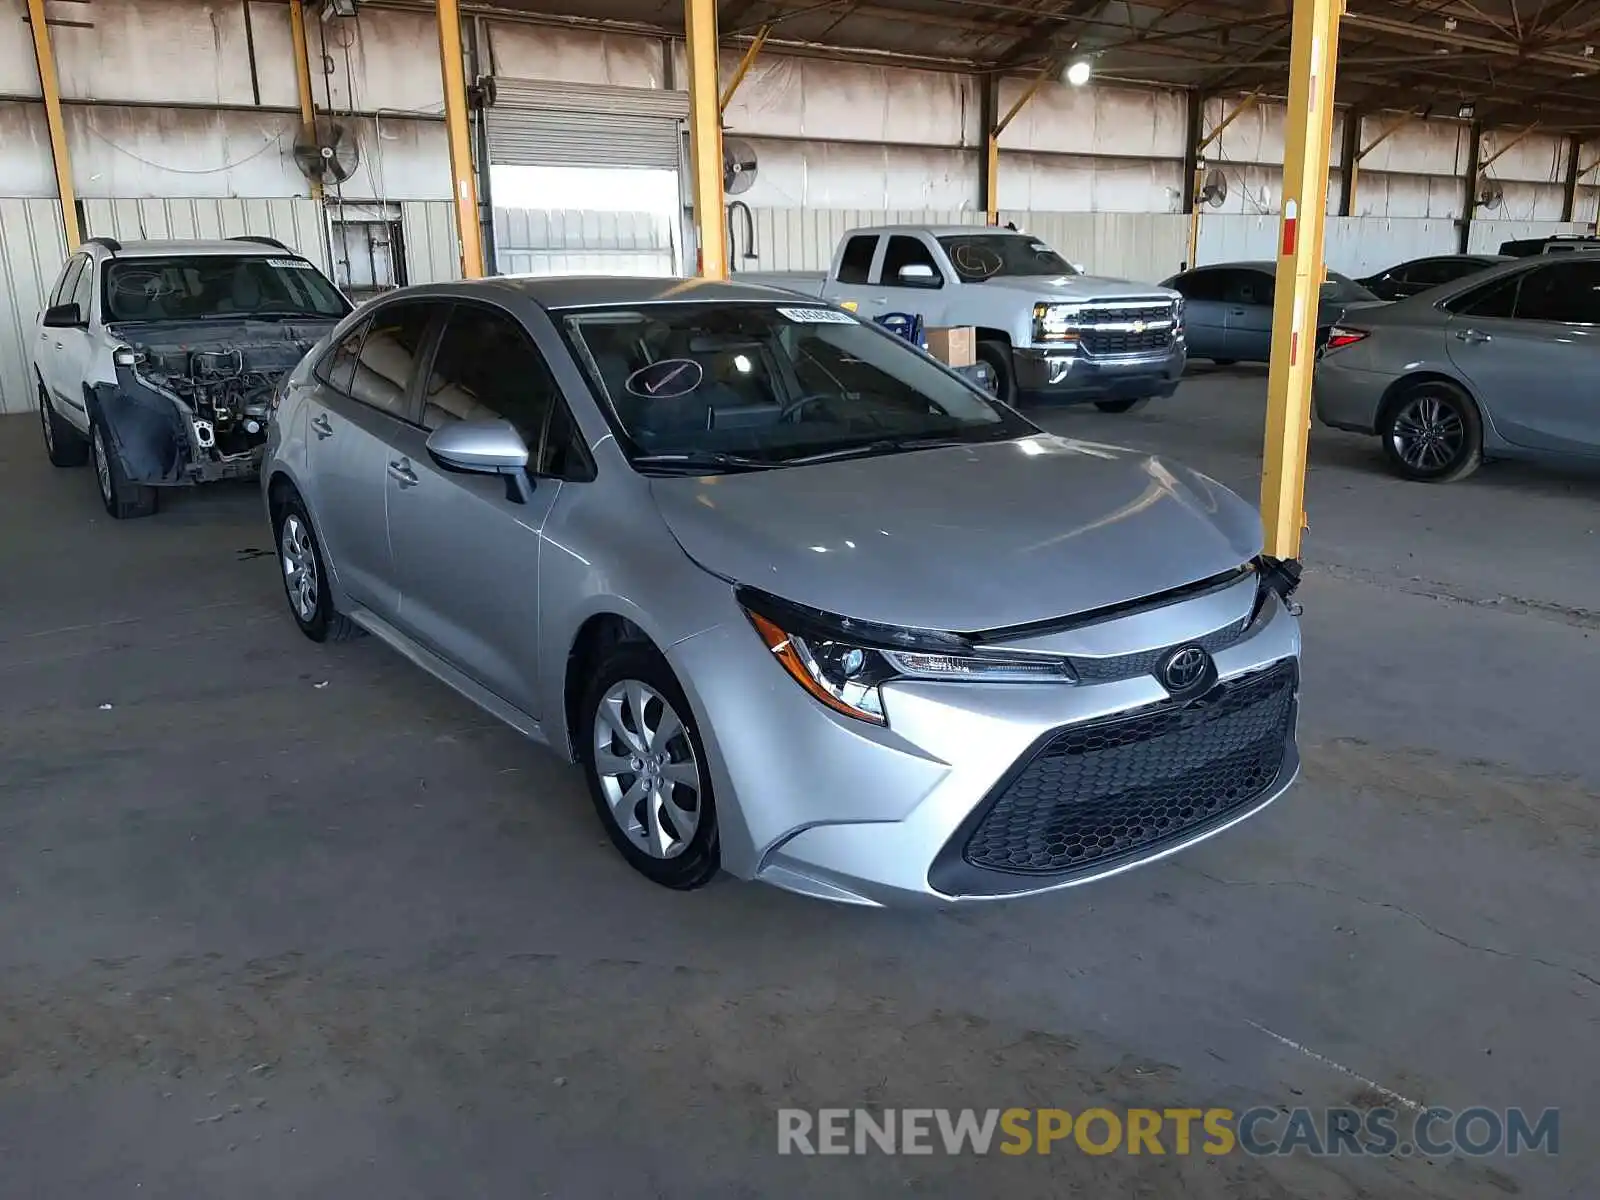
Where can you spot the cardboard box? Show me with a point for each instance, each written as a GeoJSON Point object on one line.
{"type": "Point", "coordinates": [956, 346]}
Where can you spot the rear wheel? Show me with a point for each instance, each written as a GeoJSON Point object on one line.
{"type": "Point", "coordinates": [646, 767]}
{"type": "Point", "coordinates": [1432, 433]}
{"type": "Point", "coordinates": [123, 498]}
{"type": "Point", "coordinates": [63, 444]}
{"type": "Point", "coordinates": [998, 356]}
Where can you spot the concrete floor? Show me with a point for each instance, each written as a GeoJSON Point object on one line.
{"type": "Point", "coordinates": [281, 920]}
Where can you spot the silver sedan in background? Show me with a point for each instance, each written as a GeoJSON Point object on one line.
{"type": "Point", "coordinates": [805, 604]}
{"type": "Point", "coordinates": [1505, 363]}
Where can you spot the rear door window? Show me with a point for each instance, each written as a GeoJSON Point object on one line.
{"type": "Point", "coordinates": [386, 366]}
{"type": "Point", "coordinates": [1250, 289]}
{"type": "Point", "coordinates": [855, 264]}
{"type": "Point", "coordinates": [1496, 301]}
{"type": "Point", "coordinates": [1202, 285]}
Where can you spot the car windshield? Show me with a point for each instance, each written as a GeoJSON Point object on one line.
{"type": "Point", "coordinates": [743, 386]}
{"type": "Point", "coordinates": [217, 285]}
{"type": "Point", "coordinates": [1344, 291]}
{"type": "Point", "coordinates": [980, 256]}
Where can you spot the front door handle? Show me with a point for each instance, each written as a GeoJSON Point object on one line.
{"type": "Point", "coordinates": [1473, 337]}
{"type": "Point", "coordinates": [322, 426]}
{"type": "Point", "coordinates": [59, 345]}
{"type": "Point", "coordinates": [402, 473]}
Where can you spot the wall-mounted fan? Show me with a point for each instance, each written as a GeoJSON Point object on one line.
{"type": "Point", "coordinates": [326, 150]}
{"type": "Point", "coordinates": [738, 166]}
{"type": "Point", "coordinates": [1490, 194]}
{"type": "Point", "coordinates": [1213, 187]}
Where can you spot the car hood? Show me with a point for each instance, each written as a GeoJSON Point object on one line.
{"type": "Point", "coordinates": [965, 538]}
{"type": "Point", "coordinates": [1076, 287]}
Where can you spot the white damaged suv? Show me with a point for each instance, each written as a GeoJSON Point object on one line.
{"type": "Point", "coordinates": [158, 359]}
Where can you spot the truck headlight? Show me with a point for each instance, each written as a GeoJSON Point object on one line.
{"type": "Point", "coordinates": [843, 663]}
{"type": "Point", "coordinates": [1055, 324]}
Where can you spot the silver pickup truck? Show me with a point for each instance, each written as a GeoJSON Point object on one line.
{"type": "Point", "coordinates": [1047, 330]}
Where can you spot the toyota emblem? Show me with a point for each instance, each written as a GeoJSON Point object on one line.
{"type": "Point", "coordinates": [1185, 669]}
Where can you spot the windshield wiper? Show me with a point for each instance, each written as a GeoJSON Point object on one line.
{"type": "Point", "coordinates": [266, 314]}
{"type": "Point", "coordinates": [881, 446]}
{"type": "Point", "coordinates": [699, 462]}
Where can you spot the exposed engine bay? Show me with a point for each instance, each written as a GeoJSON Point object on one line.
{"type": "Point", "coordinates": [194, 406]}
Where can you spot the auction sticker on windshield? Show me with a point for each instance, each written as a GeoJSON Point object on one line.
{"type": "Point", "coordinates": [296, 264]}
{"type": "Point", "coordinates": [817, 316]}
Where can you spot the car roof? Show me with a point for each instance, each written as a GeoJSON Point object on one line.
{"type": "Point", "coordinates": [940, 231]}
{"type": "Point", "coordinates": [166, 248]}
{"type": "Point", "coordinates": [1267, 265]}
{"type": "Point", "coordinates": [592, 291]}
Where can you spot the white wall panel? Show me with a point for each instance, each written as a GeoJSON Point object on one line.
{"type": "Point", "coordinates": [26, 169]}
{"type": "Point", "coordinates": [1062, 183]}
{"type": "Point", "coordinates": [1360, 246]}
{"type": "Point", "coordinates": [387, 53]}
{"type": "Point", "coordinates": [1525, 202]}
{"type": "Point", "coordinates": [852, 176]}
{"type": "Point", "coordinates": [1535, 158]}
{"type": "Point", "coordinates": [574, 55]}
{"type": "Point", "coordinates": [1095, 120]}
{"type": "Point", "coordinates": [32, 249]}
{"type": "Point", "coordinates": [160, 152]}
{"type": "Point", "coordinates": [1486, 235]}
{"type": "Point", "coordinates": [19, 74]}
{"type": "Point", "coordinates": [173, 50]}
{"type": "Point", "coordinates": [1437, 197]}
{"type": "Point", "coordinates": [809, 98]}
{"type": "Point", "coordinates": [433, 254]}
{"type": "Point", "coordinates": [269, 22]}
{"type": "Point", "coordinates": [1417, 147]}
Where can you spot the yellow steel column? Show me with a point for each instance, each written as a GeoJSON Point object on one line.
{"type": "Point", "coordinates": [302, 74]}
{"type": "Point", "coordinates": [705, 137]}
{"type": "Point", "coordinates": [991, 197]}
{"type": "Point", "coordinates": [1314, 54]}
{"type": "Point", "coordinates": [463, 187]}
{"type": "Point", "coordinates": [50, 89]}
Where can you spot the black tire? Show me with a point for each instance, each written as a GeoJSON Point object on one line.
{"type": "Point", "coordinates": [1225, 362]}
{"type": "Point", "coordinates": [699, 860]}
{"type": "Point", "coordinates": [998, 356]}
{"type": "Point", "coordinates": [124, 499]}
{"type": "Point", "coordinates": [319, 620]}
{"type": "Point", "coordinates": [1432, 433]}
{"type": "Point", "coordinates": [63, 444]}
{"type": "Point", "coordinates": [1121, 406]}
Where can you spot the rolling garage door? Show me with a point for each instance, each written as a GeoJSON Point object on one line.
{"type": "Point", "coordinates": [534, 123]}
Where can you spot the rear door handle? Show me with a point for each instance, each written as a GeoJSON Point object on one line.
{"type": "Point", "coordinates": [402, 473]}
{"type": "Point", "coordinates": [1472, 336]}
{"type": "Point", "coordinates": [58, 345]}
{"type": "Point", "coordinates": [322, 426]}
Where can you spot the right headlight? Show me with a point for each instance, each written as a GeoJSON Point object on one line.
{"type": "Point", "coordinates": [1055, 324]}
{"type": "Point", "coordinates": [843, 663]}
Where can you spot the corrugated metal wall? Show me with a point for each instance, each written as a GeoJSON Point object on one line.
{"type": "Point", "coordinates": [531, 241]}
{"type": "Point", "coordinates": [1142, 246]}
{"type": "Point", "coordinates": [432, 253]}
{"type": "Point", "coordinates": [297, 223]}
{"type": "Point", "coordinates": [32, 249]}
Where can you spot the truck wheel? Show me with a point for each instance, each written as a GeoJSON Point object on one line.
{"type": "Point", "coordinates": [998, 356]}
{"type": "Point", "coordinates": [123, 498]}
{"type": "Point", "coordinates": [1121, 406]}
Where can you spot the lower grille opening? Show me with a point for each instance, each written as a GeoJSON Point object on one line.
{"type": "Point", "coordinates": [1101, 791]}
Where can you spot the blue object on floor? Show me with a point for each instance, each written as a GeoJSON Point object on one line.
{"type": "Point", "coordinates": [906, 325]}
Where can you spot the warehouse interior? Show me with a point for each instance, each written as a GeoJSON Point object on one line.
{"type": "Point", "coordinates": [291, 922]}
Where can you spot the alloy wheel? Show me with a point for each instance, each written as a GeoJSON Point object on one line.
{"type": "Point", "coordinates": [647, 767]}
{"type": "Point", "coordinates": [299, 566]}
{"type": "Point", "coordinates": [1428, 433]}
{"type": "Point", "coordinates": [102, 465]}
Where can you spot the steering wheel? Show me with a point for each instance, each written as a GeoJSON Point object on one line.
{"type": "Point", "coordinates": [795, 407]}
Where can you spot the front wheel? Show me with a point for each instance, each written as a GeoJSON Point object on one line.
{"type": "Point", "coordinates": [1433, 434]}
{"type": "Point", "coordinates": [998, 356]}
{"type": "Point", "coordinates": [124, 499]}
{"type": "Point", "coordinates": [646, 768]}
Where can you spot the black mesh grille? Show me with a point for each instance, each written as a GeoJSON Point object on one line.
{"type": "Point", "coordinates": [1102, 341]}
{"type": "Point", "coordinates": [1106, 789]}
{"type": "Point", "coordinates": [1129, 666]}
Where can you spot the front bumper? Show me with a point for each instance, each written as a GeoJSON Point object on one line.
{"type": "Point", "coordinates": [1049, 374]}
{"type": "Point", "coordinates": [827, 806]}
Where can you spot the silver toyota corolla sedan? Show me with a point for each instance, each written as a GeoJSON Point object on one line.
{"type": "Point", "coordinates": [1505, 363]}
{"type": "Point", "coordinates": [806, 605]}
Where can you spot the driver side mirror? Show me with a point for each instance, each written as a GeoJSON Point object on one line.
{"type": "Point", "coordinates": [919, 275]}
{"type": "Point", "coordinates": [62, 316]}
{"type": "Point", "coordinates": [1080, 268]}
{"type": "Point", "coordinates": [480, 447]}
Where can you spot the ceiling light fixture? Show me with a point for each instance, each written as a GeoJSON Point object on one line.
{"type": "Point", "coordinates": [1078, 73]}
